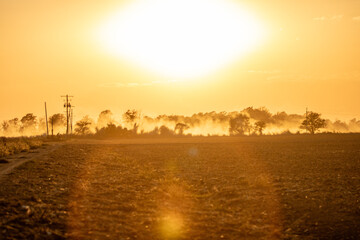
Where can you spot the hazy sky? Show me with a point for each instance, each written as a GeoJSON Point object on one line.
{"type": "Point", "coordinates": [308, 56]}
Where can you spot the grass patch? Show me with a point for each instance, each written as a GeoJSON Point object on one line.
{"type": "Point", "coordinates": [9, 146]}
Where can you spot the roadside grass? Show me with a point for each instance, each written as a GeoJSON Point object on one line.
{"type": "Point", "coordinates": [9, 146]}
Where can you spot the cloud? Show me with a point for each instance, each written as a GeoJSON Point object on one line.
{"type": "Point", "coordinates": [323, 18]}
{"type": "Point", "coordinates": [357, 18]}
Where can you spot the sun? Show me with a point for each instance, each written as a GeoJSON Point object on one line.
{"type": "Point", "coordinates": [180, 38]}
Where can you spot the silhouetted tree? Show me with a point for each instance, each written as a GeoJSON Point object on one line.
{"type": "Point", "coordinates": [83, 126]}
{"type": "Point", "coordinates": [57, 121]}
{"type": "Point", "coordinates": [280, 117]}
{"type": "Point", "coordinates": [239, 125]}
{"type": "Point", "coordinates": [41, 125]}
{"type": "Point", "coordinates": [105, 118]}
{"type": "Point", "coordinates": [341, 126]}
{"type": "Point", "coordinates": [313, 122]}
{"type": "Point", "coordinates": [5, 126]}
{"type": "Point", "coordinates": [258, 114]}
{"type": "Point", "coordinates": [11, 126]}
{"type": "Point", "coordinates": [165, 131]}
{"type": "Point", "coordinates": [354, 125]}
{"type": "Point", "coordinates": [131, 117]}
{"type": "Point", "coordinates": [111, 130]}
{"type": "Point", "coordinates": [180, 128]}
{"type": "Point", "coordinates": [259, 126]}
{"type": "Point", "coordinates": [28, 122]}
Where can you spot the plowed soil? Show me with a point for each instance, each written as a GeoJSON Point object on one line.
{"type": "Point", "coordinates": [276, 187]}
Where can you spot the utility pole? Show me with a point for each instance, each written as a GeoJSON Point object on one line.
{"type": "Point", "coordinates": [47, 126]}
{"type": "Point", "coordinates": [67, 105]}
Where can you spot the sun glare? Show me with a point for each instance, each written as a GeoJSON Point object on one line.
{"type": "Point", "coordinates": [180, 38]}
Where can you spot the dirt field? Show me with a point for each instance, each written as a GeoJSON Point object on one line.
{"type": "Point", "coordinates": [271, 187]}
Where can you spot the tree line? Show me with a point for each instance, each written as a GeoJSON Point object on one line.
{"type": "Point", "coordinates": [249, 121]}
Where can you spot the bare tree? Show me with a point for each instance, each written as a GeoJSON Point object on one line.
{"type": "Point", "coordinates": [313, 122]}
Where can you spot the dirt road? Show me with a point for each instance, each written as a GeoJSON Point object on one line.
{"type": "Point", "coordinates": [13, 161]}
{"type": "Point", "coordinates": [225, 189]}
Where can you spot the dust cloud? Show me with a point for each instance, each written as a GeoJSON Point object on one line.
{"type": "Point", "coordinates": [249, 121]}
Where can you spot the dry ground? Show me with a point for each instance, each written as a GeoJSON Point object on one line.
{"type": "Point", "coordinates": [284, 187]}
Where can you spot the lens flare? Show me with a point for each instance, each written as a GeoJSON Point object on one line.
{"type": "Point", "coordinates": [171, 226]}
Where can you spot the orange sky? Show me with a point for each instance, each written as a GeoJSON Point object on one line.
{"type": "Point", "coordinates": [310, 57]}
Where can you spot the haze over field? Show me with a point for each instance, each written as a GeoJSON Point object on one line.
{"type": "Point", "coordinates": [173, 57]}
{"type": "Point", "coordinates": [249, 121]}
